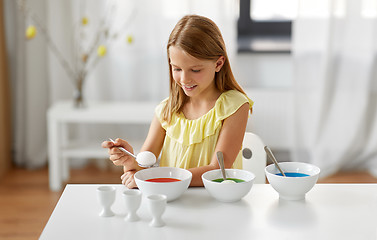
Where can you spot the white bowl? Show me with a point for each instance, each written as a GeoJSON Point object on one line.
{"type": "Point", "coordinates": [228, 192]}
{"type": "Point", "coordinates": [292, 188]}
{"type": "Point", "coordinates": [172, 190]}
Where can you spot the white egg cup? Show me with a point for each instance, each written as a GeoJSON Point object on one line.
{"type": "Point", "coordinates": [132, 199]}
{"type": "Point", "coordinates": [106, 198]}
{"type": "Point", "coordinates": [157, 205]}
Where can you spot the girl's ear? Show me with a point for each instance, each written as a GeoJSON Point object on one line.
{"type": "Point", "coordinates": [219, 63]}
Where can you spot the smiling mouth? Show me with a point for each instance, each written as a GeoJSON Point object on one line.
{"type": "Point", "coordinates": [189, 87]}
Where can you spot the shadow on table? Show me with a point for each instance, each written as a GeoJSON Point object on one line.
{"type": "Point", "coordinates": [292, 214]}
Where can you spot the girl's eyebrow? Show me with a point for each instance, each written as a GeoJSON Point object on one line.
{"type": "Point", "coordinates": [190, 66]}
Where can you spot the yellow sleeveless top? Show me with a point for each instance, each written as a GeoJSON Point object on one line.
{"type": "Point", "coordinates": [191, 143]}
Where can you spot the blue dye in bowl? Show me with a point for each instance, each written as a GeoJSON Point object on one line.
{"type": "Point", "coordinates": [293, 174]}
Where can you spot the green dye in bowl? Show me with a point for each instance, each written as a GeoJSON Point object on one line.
{"type": "Point", "coordinates": [219, 180]}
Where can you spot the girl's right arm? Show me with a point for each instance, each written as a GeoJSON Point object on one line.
{"type": "Point", "coordinates": [153, 143]}
{"type": "Point", "coordinates": [155, 138]}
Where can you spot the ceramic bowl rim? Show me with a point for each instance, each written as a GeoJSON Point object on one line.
{"type": "Point", "coordinates": [271, 166]}
{"type": "Point", "coordinates": [205, 175]}
{"type": "Point", "coordinates": [183, 179]}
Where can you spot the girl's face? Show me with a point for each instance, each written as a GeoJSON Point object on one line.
{"type": "Point", "coordinates": [195, 76]}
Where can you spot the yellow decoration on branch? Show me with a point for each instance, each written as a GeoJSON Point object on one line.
{"type": "Point", "coordinates": [84, 21]}
{"type": "Point", "coordinates": [130, 39]}
{"type": "Point", "coordinates": [101, 50]}
{"type": "Point", "coordinates": [31, 31]}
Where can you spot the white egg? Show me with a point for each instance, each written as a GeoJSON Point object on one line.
{"type": "Point", "coordinates": [146, 158]}
{"type": "Point", "coordinates": [228, 182]}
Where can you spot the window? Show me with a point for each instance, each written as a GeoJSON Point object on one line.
{"type": "Point", "coordinates": [265, 25]}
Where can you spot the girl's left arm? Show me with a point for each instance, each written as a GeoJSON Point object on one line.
{"type": "Point", "coordinates": [229, 142]}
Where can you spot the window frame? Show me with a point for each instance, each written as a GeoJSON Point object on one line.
{"type": "Point", "coordinates": [252, 32]}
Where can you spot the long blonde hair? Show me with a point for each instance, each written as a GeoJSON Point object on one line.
{"type": "Point", "coordinates": [201, 38]}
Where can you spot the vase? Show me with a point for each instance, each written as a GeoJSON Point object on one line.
{"type": "Point", "coordinates": [78, 97]}
{"type": "Point", "coordinates": [78, 101]}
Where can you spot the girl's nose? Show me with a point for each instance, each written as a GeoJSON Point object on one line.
{"type": "Point", "coordinates": [185, 78]}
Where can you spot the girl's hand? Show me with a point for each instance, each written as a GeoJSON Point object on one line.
{"type": "Point", "coordinates": [128, 179]}
{"type": "Point", "coordinates": [118, 157]}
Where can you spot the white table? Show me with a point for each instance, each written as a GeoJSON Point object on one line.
{"type": "Point", "coordinates": [330, 211]}
{"type": "Point", "coordinates": [60, 115]}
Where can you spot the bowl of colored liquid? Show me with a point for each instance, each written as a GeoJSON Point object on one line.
{"type": "Point", "coordinates": [170, 181]}
{"type": "Point", "coordinates": [238, 184]}
{"type": "Point", "coordinates": [300, 178]}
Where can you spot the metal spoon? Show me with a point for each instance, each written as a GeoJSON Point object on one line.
{"type": "Point", "coordinates": [272, 157]}
{"type": "Point", "coordinates": [145, 159]}
{"type": "Point", "coordinates": [220, 159]}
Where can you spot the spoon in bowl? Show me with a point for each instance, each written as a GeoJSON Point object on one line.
{"type": "Point", "coordinates": [272, 157]}
{"type": "Point", "coordinates": [144, 159]}
{"type": "Point", "coordinates": [220, 159]}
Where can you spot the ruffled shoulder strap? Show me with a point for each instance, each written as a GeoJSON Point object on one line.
{"type": "Point", "coordinates": [187, 132]}
{"type": "Point", "coordinates": [229, 102]}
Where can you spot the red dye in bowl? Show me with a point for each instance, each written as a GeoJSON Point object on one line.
{"type": "Point", "coordinates": [163, 180]}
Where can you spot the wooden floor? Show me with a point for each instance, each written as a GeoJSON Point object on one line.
{"type": "Point", "coordinates": [26, 202]}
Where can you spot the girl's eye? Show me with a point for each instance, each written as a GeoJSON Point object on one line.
{"type": "Point", "coordinates": [176, 69]}
{"type": "Point", "coordinates": [195, 71]}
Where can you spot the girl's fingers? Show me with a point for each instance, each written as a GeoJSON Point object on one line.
{"type": "Point", "coordinates": [107, 144]}
{"type": "Point", "coordinates": [115, 150]}
{"type": "Point", "coordinates": [119, 159]}
{"type": "Point", "coordinates": [128, 183]}
{"type": "Point", "coordinates": [132, 184]}
{"type": "Point", "coordinates": [123, 176]}
{"type": "Point", "coordinates": [124, 181]}
{"type": "Point", "coordinates": [128, 179]}
{"type": "Point", "coordinates": [115, 157]}
{"type": "Point", "coordinates": [118, 162]}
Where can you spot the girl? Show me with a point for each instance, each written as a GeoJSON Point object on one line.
{"type": "Point", "coordinates": [206, 111]}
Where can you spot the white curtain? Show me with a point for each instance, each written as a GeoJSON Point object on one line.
{"type": "Point", "coordinates": [29, 83]}
{"type": "Point", "coordinates": [129, 72]}
{"type": "Point", "coordinates": [334, 51]}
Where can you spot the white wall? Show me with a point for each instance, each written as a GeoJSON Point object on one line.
{"type": "Point", "coordinates": [263, 70]}
{"type": "Point", "coordinates": [268, 81]}
{"type": "Point", "coordinates": [272, 116]}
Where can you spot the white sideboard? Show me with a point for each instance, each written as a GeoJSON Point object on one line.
{"type": "Point", "coordinates": [62, 114]}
